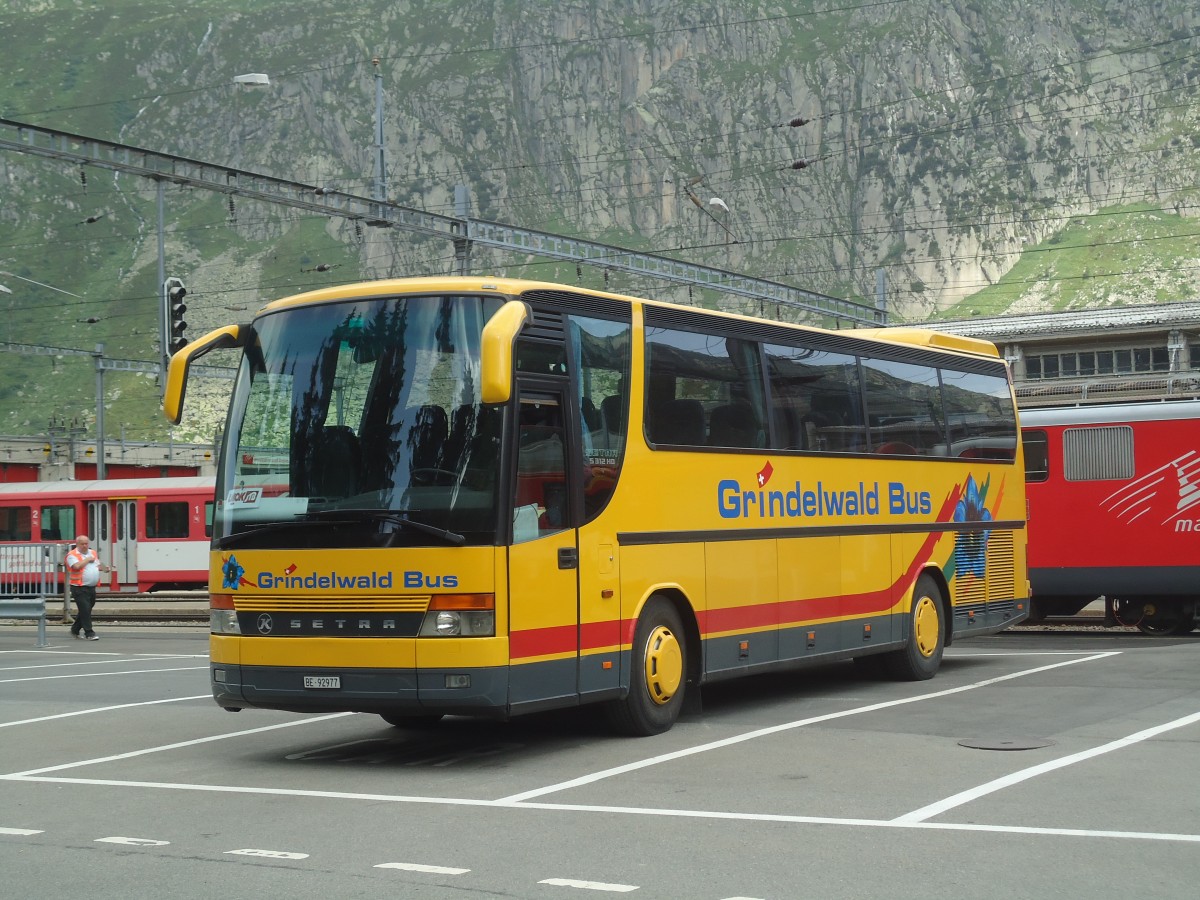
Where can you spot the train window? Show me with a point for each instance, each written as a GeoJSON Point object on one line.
{"type": "Point", "coordinates": [15, 523]}
{"type": "Point", "coordinates": [58, 523]}
{"type": "Point", "coordinates": [1103, 453]}
{"type": "Point", "coordinates": [166, 520]}
{"type": "Point", "coordinates": [208, 517]}
{"type": "Point", "coordinates": [1037, 461]}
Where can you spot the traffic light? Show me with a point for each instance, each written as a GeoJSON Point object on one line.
{"type": "Point", "coordinates": [173, 294]}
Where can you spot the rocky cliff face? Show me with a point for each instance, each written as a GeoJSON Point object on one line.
{"type": "Point", "coordinates": [946, 138]}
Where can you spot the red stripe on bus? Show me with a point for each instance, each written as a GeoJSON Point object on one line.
{"type": "Point", "coordinates": [559, 639]}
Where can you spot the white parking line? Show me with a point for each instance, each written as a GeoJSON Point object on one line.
{"type": "Point", "coordinates": [935, 809]}
{"type": "Point", "coordinates": [88, 662]}
{"type": "Point", "coordinates": [100, 709]}
{"type": "Point", "coordinates": [590, 885]}
{"type": "Point", "coordinates": [418, 867]}
{"type": "Point", "coordinates": [192, 743]}
{"type": "Point", "coordinates": [269, 854]}
{"type": "Point", "coordinates": [20, 832]}
{"type": "Point", "coordinates": [99, 674]}
{"type": "Point", "coordinates": [786, 726]}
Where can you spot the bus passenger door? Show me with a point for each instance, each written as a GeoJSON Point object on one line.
{"type": "Point", "coordinates": [124, 548]}
{"type": "Point", "coordinates": [543, 560]}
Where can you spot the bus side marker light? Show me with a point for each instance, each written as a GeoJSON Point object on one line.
{"type": "Point", "coordinates": [607, 593]}
{"type": "Point", "coordinates": [866, 632]}
{"type": "Point", "coordinates": [743, 649]}
{"type": "Point", "coordinates": [607, 664]}
{"type": "Point", "coordinates": [812, 639]}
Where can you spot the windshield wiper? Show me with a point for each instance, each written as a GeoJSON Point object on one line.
{"type": "Point", "coordinates": [399, 517]}
{"type": "Point", "coordinates": [230, 540]}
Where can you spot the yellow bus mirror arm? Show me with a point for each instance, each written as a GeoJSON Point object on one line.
{"type": "Point", "coordinates": [496, 351]}
{"type": "Point", "coordinates": [177, 372]}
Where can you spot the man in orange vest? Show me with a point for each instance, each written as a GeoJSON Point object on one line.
{"type": "Point", "coordinates": [85, 569]}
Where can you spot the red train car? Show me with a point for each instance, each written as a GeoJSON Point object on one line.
{"type": "Point", "coordinates": [1113, 493]}
{"type": "Point", "coordinates": [154, 531]}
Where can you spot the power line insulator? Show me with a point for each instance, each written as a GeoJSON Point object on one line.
{"type": "Point", "coordinates": [798, 121]}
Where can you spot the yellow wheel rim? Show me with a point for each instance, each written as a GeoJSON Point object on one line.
{"type": "Point", "coordinates": [927, 625]}
{"type": "Point", "coordinates": [664, 665]}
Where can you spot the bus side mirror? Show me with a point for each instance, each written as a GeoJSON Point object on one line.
{"type": "Point", "coordinates": [496, 351]}
{"type": "Point", "coordinates": [177, 371]}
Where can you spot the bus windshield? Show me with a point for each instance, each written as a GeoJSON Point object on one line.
{"type": "Point", "coordinates": [359, 423]}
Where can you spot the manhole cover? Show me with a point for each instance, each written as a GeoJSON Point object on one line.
{"type": "Point", "coordinates": [1005, 743]}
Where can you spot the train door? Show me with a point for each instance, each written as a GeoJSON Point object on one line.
{"type": "Point", "coordinates": [124, 556]}
{"type": "Point", "coordinates": [100, 530]}
{"type": "Point", "coordinates": [112, 526]}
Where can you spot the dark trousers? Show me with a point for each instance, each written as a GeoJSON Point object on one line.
{"type": "Point", "coordinates": [85, 598]}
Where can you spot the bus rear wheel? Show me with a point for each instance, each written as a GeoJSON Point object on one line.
{"type": "Point", "coordinates": [658, 679]}
{"type": "Point", "coordinates": [921, 655]}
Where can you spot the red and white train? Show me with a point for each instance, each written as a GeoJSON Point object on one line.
{"type": "Point", "coordinates": [1113, 493]}
{"type": "Point", "coordinates": [154, 531]}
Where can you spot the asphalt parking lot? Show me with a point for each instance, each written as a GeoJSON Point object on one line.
{"type": "Point", "coordinates": [119, 777]}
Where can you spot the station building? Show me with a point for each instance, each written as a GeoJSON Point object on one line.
{"type": "Point", "coordinates": [1116, 354]}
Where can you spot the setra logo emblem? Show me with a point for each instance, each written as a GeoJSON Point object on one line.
{"type": "Point", "coordinates": [265, 624]}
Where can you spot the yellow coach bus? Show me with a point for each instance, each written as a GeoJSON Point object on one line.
{"type": "Point", "coordinates": [477, 496]}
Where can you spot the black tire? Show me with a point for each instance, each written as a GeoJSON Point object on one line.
{"type": "Point", "coordinates": [1167, 619]}
{"type": "Point", "coordinates": [921, 656]}
{"type": "Point", "coordinates": [418, 720]}
{"type": "Point", "coordinates": [658, 680]}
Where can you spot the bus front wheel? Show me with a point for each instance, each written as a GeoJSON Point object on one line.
{"type": "Point", "coordinates": [921, 655]}
{"type": "Point", "coordinates": [658, 677]}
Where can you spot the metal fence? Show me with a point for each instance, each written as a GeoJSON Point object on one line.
{"type": "Point", "coordinates": [32, 570]}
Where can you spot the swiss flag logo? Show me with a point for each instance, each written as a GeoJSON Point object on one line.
{"type": "Point", "coordinates": [764, 474]}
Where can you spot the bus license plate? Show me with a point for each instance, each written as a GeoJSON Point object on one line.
{"type": "Point", "coordinates": [323, 681]}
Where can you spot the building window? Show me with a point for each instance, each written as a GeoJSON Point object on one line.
{"type": "Point", "coordinates": [1129, 361]}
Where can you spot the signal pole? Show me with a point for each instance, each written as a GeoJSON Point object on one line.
{"type": "Point", "coordinates": [380, 171]}
{"type": "Point", "coordinates": [98, 355]}
{"type": "Point", "coordinates": [171, 323]}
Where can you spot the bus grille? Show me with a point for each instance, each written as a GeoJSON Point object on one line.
{"type": "Point", "coordinates": [332, 604]}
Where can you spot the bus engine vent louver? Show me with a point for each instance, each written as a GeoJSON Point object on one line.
{"type": "Point", "coordinates": [1001, 569]}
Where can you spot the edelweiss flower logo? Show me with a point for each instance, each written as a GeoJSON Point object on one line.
{"type": "Point", "coordinates": [232, 573]}
{"type": "Point", "coordinates": [970, 547]}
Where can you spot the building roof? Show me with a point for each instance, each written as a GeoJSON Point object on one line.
{"type": "Point", "coordinates": [1075, 321]}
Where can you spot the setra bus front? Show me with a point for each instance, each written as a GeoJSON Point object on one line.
{"type": "Point", "coordinates": [358, 537]}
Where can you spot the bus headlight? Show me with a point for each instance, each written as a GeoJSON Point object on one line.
{"type": "Point", "coordinates": [222, 617]}
{"type": "Point", "coordinates": [460, 615]}
{"type": "Point", "coordinates": [223, 621]}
